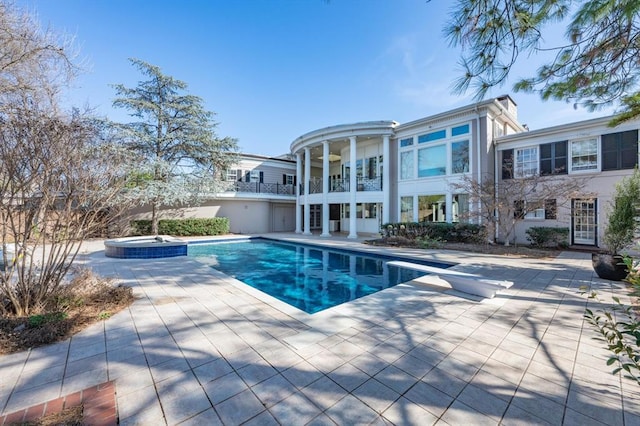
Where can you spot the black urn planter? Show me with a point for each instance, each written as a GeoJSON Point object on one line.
{"type": "Point", "coordinates": [609, 266]}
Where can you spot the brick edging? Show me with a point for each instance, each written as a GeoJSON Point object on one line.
{"type": "Point", "coordinates": [99, 407]}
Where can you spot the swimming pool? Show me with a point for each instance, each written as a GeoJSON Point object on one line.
{"type": "Point", "coordinates": [308, 277]}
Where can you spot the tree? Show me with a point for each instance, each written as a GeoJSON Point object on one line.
{"type": "Point", "coordinates": [596, 67]}
{"type": "Point", "coordinates": [50, 201]}
{"type": "Point", "coordinates": [31, 59]}
{"type": "Point", "coordinates": [502, 205]}
{"type": "Point", "coordinates": [182, 158]}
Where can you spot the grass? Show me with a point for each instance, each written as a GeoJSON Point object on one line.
{"type": "Point", "coordinates": [86, 300]}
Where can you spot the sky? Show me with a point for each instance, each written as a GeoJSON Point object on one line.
{"type": "Point", "coordinates": [273, 70]}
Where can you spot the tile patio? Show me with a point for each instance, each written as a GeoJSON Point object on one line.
{"type": "Point", "coordinates": [198, 347]}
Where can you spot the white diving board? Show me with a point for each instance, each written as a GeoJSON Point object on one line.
{"type": "Point", "coordinates": [460, 281]}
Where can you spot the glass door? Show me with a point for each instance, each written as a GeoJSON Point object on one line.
{"type": "Point", "coordinates": [583, 218]}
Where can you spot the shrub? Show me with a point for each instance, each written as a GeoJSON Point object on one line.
{"type": "Point", "coordinates": [622, 224]}
{"type": "Point", "coordinates": [547, 236]}
{"type": "Point", "coordinates": [435, 231]}
{"type": "Point", "coordinates": [183, 227]}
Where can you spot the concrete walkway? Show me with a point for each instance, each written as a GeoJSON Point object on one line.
{"type": "Point", "coordinates": [201, 348]}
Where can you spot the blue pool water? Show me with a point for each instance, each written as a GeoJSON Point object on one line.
{"type": "Point", "coordinates": [307, 277]}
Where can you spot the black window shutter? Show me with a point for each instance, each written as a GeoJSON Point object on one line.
{"type": "Point", "coordinates": [295, 178]}
{"type": "Point", "coordinates": [284, 179]}
{"type": "Point", "coordinates": [518, 209]}
{"type": "Point", "coordinates": [560, 156]}
{"type": "Point", "coordinates": [247, 176]}
{"type": "Point", "coordinates": [507, 164]}
{"type": "Point", "coordinates": [550, 209]}
{"type": "Point", "coordinates": [629, 150]}
{"type": "Point", "coordinates": [239, 175]}
{"type": "Point", "coordinates": [620, 150]}
{"type": "Point", "coordinates": [261, 177]}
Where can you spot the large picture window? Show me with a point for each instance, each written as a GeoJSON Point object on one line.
{"type": "Point", "coordinates": [526, 162]}
{"type": "Point", "coordinates": [432, 161]}
{"type": "Point", "coordinates": [406, 165]}
{"type": "Point", "coordinates": [432, 208]}
{"type": "Point", "coordinates": [460, 157]}
{"type": "Point", "coordinates": [460, 208]}
{"type": "Point", "coordinates": [584, 155]}
{"type": "Point", "coordinates": [406, 209]}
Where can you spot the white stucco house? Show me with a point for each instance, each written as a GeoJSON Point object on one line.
{"type": "Point", "coordinates": [258, 196]}
{"type": "Point", "coordinates": [355, 177]}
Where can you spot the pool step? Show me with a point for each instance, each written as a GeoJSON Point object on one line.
{"type": "Point", "coordinates": [473, 284]}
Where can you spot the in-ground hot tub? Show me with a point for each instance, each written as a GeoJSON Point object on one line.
{"type": "Point", "coordinates": [145, 247]}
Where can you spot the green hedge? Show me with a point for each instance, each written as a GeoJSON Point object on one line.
{"type": "Point", "coordinates": [439, 231]}
{"type": "Point", "coordinates": [546, 236]}
{"type": "Point", "coordinates": [183, 227]}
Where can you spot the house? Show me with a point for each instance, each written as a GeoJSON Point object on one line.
{"type": "Point", "coordinates": [590, 149]}
{"type": "Point", "coordinates": [355, 177]}
{"type": "Point", "coordinates": [258, 195]}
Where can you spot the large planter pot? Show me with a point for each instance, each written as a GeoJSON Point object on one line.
{"type": "Point", "coordinates": [609, 267]}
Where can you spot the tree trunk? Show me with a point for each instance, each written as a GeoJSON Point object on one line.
{"type": "Point", "coordinates": [154, 219]}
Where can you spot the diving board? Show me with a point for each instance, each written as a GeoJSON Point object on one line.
{"type": "Point", "coordinates": [473, 284]}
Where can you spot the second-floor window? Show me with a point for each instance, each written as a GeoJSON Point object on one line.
{"type": "Point", "coordinates": [584, 155]}
{"type": "Point", "coordinates": [255, 176]}
{"type": "Point", "coordinates": [526, 162]}
{"type": "Point", "coordinates": [406, 165]}
{"type": "Point", "coordinates": [460, 157]}
{"type": "Point", "coordinates": [432, 161]}
{"type": "Point", "coordinates": [231, 175]}
{"type": "Point", "coordinates": [288, 179]}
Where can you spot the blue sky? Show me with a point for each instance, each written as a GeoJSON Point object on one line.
{"type": "Point", "coordinates": [273, 70]}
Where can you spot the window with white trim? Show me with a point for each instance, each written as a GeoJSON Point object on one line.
{"type": "Point", "coordinates": [254, 176]}
{"type": "Point", "coordinates": [406, 165]}
{"type": "Point", "coordinates": [406, 209]}
{"type": "Point", "coordinates": [231, 175]}
{"type": "Point", "coordinates": [537, 210]}
{"type": "Point", "coordinates": [526, 162]}
{"type": "Point", "coordinates": [584, 155]}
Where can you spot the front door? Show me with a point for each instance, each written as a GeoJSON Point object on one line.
{"type": "Point", "coordinates": [583, 219]}
{"type": "Point", "coordinates": [315, 216]}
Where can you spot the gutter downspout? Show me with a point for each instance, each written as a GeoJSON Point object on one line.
{"type": "Point", "coordinates": [496, 175]}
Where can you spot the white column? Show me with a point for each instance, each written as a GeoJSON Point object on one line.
{"type": "Point", "coordinates": [299, 179]}
{"type": "Point", "coordinates": [325, 189]}
{"type": "Point", "coordinates": [353, 188]}
{"type": "Point", "coordinates": [307, 179]}
{"type": "Point", "coordinates": [386, 190]}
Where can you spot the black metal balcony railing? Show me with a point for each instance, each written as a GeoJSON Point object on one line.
{"type": "Point", "coordinates": [343, 185]}
{"type": "Point", "coordinates": [260, 188]}
{"type": "Point", "coordinates": [370, 184]}
{"type": "Point", "coordinates": [339, 185]}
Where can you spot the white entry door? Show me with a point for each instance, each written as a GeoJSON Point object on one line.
{"type": "Point", "coordinates": [584, 224]}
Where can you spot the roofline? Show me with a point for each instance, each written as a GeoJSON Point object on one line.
{"type": "Point", "coordinates": [466, 109]}
{"type": "Point", "coordinates": [264, 157]}
{"type": "Point", "coordinates": [592, 122]}
{"type": "Point", "coordinates": [342, 131]}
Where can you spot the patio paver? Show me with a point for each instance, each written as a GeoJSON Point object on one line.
{"type": "Point", "coordinates": [198, 347]}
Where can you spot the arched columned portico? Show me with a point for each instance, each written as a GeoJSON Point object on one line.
{"type": "Point", "coordinates": [344, 186]}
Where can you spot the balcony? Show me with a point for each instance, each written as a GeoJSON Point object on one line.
{"type": "Point", "coordinates": [343, 185]}
{"type": "Point", "coordinates": [259, 188]}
